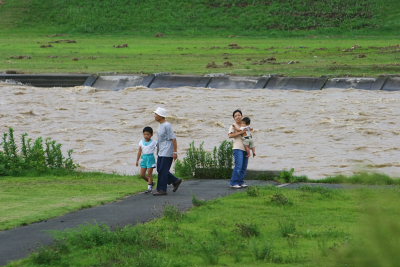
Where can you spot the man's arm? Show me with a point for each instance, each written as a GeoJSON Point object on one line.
{"type": "Point", "coordinates": [175, 143]}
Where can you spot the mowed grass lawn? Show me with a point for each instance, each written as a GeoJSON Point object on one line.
{"type": "Point", "coordinates": [269, 226]}
{"type": "Point", "coordinates": [26, 200]}
{"type": "Point", "coordinates": [291, 56]}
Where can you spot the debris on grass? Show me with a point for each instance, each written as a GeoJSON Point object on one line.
{"type": "Point", "coordinates": [121, 46]}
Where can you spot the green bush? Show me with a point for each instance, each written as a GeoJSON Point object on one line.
{"type": "Point", "coordinates": [34, 155]}
{"type": "Point", "coordinates": [289, 177]}
{"type": "Point", "coordinates": [199, 163]}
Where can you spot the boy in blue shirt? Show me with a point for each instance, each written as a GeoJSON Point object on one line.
{"type": "Point", "coordinates": [147, 147]}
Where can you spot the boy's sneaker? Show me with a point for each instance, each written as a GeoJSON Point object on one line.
{"type": "Point", "coordinates": [244, 186]}
{"type": "Point", "coordinates": [149, 189]}
{"type": "Point", "coordinates": [236, 186]}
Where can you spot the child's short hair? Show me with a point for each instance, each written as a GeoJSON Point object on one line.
{"type": "Point", "coordinates": [148, 129]}
{"type": "Point", "coordinates": [246, 120]}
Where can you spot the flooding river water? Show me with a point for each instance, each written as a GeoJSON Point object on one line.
{"type": "Point", "coordinates": [318, 133]}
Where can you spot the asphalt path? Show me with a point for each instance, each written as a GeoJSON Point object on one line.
{"type": "Point", "coordinates": [18, 243]}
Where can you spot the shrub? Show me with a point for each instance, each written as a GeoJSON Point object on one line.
{"type": "Point", "coordinates": [253, 191]}
{"type": "Point", "coordinates": [247, 230]}
{"type": "Point", "coordinates": [199, 163]}
{"type": "Point", "coordinates": [33, 156]}
{"type": "Point", "coordinates": [289, 177]}
{"type": "Point", "coordinates": [280, 199]}
{"type": "Point", "coordinates": [173, 213]}
{"type": "Point", "coordinates": [287, 228]}
{"type": "Point", "coordinates": [198, 202]}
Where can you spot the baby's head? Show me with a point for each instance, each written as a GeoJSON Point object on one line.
{"type": "Point", "coordinates": [147, 133]}
{"type": "Point", "coordinates": [245, 121]}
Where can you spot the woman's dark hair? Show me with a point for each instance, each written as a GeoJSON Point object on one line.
{"type": "Point", "coordinates": [148, 129]}
{"type": "Point", "coordinates": [246, 120]}
{"type": "Point", "coordinates": [238, 110]}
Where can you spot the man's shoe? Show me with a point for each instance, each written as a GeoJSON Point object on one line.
{"type": "Point", "coordinates": [160, 193]}
{"type": "Point", "coordinates": [236, 186]}
{"type": "Point", "coordinates": [176, 185]}
{"type": "Point", "coordinates": [244, 186]}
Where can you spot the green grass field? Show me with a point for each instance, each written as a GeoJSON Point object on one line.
{"type": "Point", "coordinates": [260, 227]}
{"type": "Point", "coordinates": [26, 200]}
{"type": "Point", "coordinates": [292, 56]}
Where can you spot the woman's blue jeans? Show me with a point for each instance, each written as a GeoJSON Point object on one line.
{"type": "Point", "coordinates": [239, 172]}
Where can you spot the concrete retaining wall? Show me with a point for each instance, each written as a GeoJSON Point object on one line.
{"type": "Point", "coordinates": [392, 84]}
{"type": "Point", "coordinates": [47, 80]}
{"type": "Point", "coordinates": [119, 82]}
{"type": "Point", "coordinates": [168, 81]}
{"type": "Point", "coordinates": [357, 83]}
{"type": "Point", "coordinates": [301, 83]}
{"type": "Point", "coordinates": [233, 82]}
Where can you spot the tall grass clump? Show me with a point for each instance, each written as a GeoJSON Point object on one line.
{"type": "Point", "coordinates": [34, 155]}
{"type": "Point", "coordinates": [200, 163]}
{"type": "Point", "coordinates": [362, 178]}
{"type": "Point", "coordinates": [289, 177]}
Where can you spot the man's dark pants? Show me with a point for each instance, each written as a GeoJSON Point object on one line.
{"type": "Point", "coordinates": [164, 176]}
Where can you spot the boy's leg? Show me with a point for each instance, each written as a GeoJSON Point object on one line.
{"type": "Point", "coordinates": [149, 180]}
{"type": "Point", "coordinates": [253, 148]}
{"type": "Point", "coordinates": [150, 176]}
{"type": "Point", "coordinates": [143, 173]}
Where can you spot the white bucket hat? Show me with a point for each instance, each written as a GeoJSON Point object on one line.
{"type": "Point", "coordinates": [161, 112]}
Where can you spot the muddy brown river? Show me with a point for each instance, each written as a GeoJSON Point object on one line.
{"type": "Point", "coordinates": [318, 133]}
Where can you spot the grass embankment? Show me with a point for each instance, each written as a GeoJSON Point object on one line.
{"type": "Point", "coordinates": [204, 17]}
{"type": "Point", "coordinates": [336, 56]}
{"type": "Point", "coordinates": [260, 227]}
{"type": "Point", "coordinates": [27, 199]}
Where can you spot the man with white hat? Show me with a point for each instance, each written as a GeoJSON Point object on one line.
{"type": "Point", "coordinates": [167, 152]}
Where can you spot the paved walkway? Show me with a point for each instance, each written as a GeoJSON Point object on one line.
{"type": "Point", "coordinates": [18, 243]}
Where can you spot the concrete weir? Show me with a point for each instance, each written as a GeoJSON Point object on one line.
{"type": "Point", "coordinates": [120, 82]}
{"type": "Point", "coordinates": [48, 80]}
{"type": "Point", "coordinates": [357, 83]}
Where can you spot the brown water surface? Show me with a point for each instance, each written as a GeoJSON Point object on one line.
{"type": "Point", "coordinates": [318, 133]}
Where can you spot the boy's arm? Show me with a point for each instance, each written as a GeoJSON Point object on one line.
{"type": "Point", "coordinates": [237, 133]}
{"type": "Point", "coordinates": [138, 156]}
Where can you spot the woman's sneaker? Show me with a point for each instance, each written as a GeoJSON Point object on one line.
{"type": "Point", "coordinates": [236, 186]}
{"type": "Point", "coordinates": [244, 186]}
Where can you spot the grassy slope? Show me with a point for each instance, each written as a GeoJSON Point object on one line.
{"type": "Point", "coordinates": [31, 199]}
{"type": "Point", "coordinates": [320, 227]}
{"type": "Point", "coordinates": [245, 17]}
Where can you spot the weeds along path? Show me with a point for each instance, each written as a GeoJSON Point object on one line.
{"type": "Point", "coordinates": [20, 242]}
